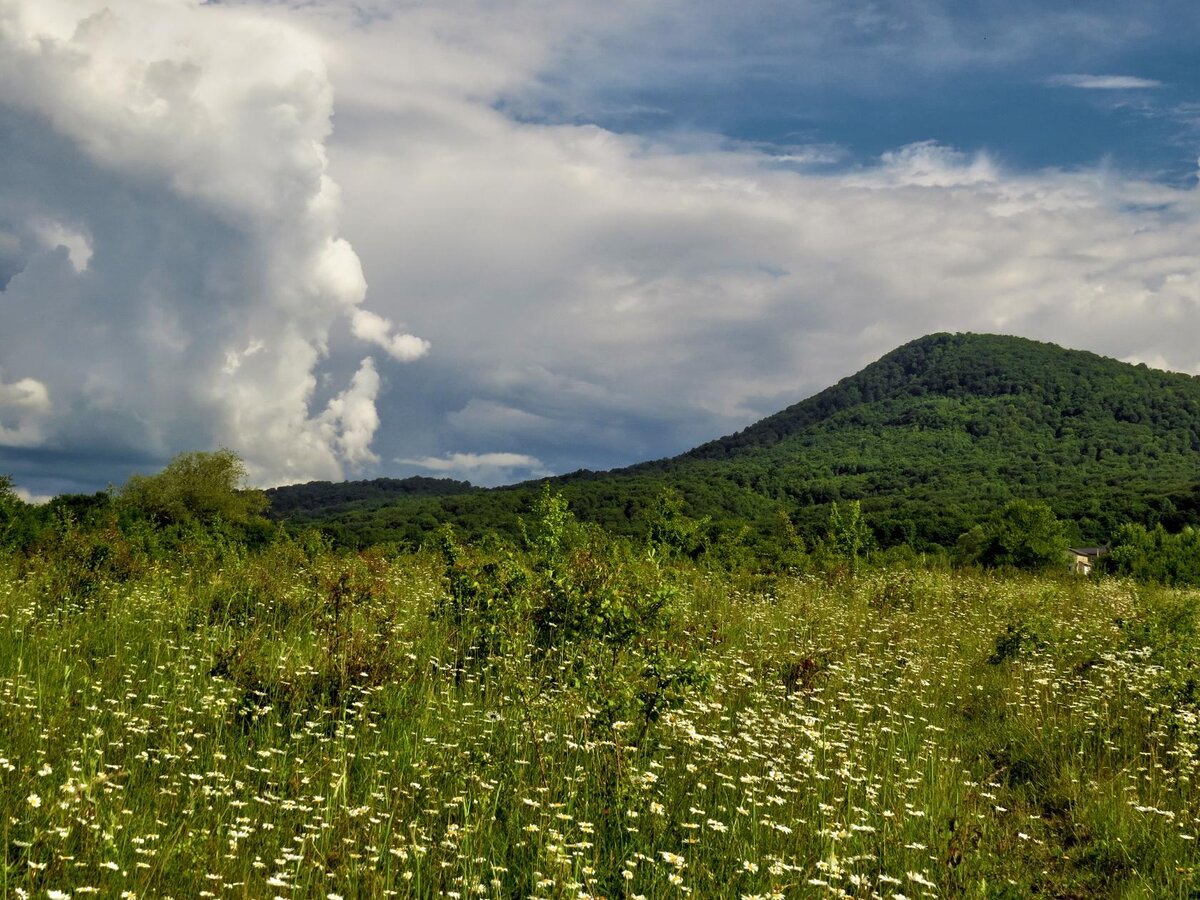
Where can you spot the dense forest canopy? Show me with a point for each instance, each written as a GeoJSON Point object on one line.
{"type": "Point", "coordinates": [931, 439]}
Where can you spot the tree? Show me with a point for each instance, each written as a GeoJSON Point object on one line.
{"type": "Point", "coordinates": [1155, 554]}
{"type": "Point", "coordinates": [848, 535]}
{"type": "Point", "coordinates": [1024, 534]}
{"type": "Point", "coordinates": [673, 533]}
{"type": "Point", "coordinates": [196, 487]}
{"type": "Point", "coordinates": [10, 503]}
{"type": "Point", "coordinates": [8, 496]}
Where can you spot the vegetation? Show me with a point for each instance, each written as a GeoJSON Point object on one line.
{"type": "Point", "coordinates": [930, 440]}
{"type": "Point", "coordinates": [1023, 534]}
{"type": "Point", "coordinates": [576, 714]}
{"type": "Point", "coordinates": [331, 498]}
{"type": "Point", "coordinates": [837, 654]}
{"type": "Point", "coordinates": [1155, 554]}
{"type": "Point", "coordinates": [196, 487]}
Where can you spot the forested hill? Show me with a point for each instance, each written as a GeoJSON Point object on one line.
{"type": "Point", "coordinates": [1054, 384]}
{"type": "Point", "coordinates": [930, 438]}
{"type": "Point", "coordinates": [329, 497]}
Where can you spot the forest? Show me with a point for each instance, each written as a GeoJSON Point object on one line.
{"type": "Point", "coordinates": [930, 439]}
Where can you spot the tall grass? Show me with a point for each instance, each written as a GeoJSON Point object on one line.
{"type": "Point", "coordinates": [303, 724]}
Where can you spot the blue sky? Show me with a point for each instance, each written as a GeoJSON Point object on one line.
{"type": "Point", "coordinates": [866, 78]}
{"type": "Point", "coordinates": [497, 240]}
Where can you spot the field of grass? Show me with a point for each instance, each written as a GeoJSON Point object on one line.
{"type": "Point", "coordinates": [305, 724]}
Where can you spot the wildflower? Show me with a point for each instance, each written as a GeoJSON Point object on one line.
{"type": "Point", "coordinates": [920, 879]}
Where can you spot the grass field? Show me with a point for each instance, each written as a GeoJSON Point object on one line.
{"type": "Point", "coordinates": [300, 724]}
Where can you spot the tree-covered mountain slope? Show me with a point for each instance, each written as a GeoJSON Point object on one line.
{"type": "Point", "coordinates": [930, 438]}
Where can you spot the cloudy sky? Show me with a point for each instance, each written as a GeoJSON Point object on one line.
{"type": "Point", "coordinates": [493, 240]}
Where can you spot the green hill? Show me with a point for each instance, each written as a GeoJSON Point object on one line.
{"type": "Point", "coordinates": [929, 438]}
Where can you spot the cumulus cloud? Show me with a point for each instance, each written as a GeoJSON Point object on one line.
{"type": "Point", "coordinates": [607, 298]}
{"type": "Point", "coordinates": [58, 234]}
{"type": "Point", "coordinates": [595, 296]}
{"type": "Point", "coordinates": [351, 419]}
{"type": "Point", "coordinates": [1104, 82]}
{"type": "Point", "coordinates": [199, 227]}
{"type": "Point", "coordinates": [375, 329]}
{"type": "Point", "coordinates": [24, 405]}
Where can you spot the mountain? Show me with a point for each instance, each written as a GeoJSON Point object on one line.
{"type": "Point", "coordinates": [930, 438]}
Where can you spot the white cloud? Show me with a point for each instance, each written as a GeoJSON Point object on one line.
{"type": "Point", "coordinates": [217, 116]}
{"type": "Point", "coordinates": [633, 298]}
{"type": "Point", "coordinates": [27, 395]}
{"type": "Point", "coordinates": [594, 297]}
{"type": "Point", "coordinates": [24, 406]}
{"type": "Point", "coordinates": [58, 234]}
{"type": "Point", "coordinates": [351, 418]}
{"type": "Point", "coordinates": [33, 499]}
{"type": "Point", "coordinates": [375, 329]}
{"type": "Point", "coordinates": [1104, 82]}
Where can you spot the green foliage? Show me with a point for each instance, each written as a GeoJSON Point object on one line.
{"type": "Point", "coordinates": [1011, 642]}
{"type": "Point", "coordinates": [551, 530]}
{"type": "Point", "coordinates": [1155, 554]}
{"type": "Point", "coordinates": [8, 494]}
{"type": "Point", "coordinates": [196, 487]}
{"type": "Point", "coordinates": [10, 509]}
{"type": "Point", "coordinates": [930, 440]}
{"type": "Point", "coordinates": [848, 536]}
{"type": "Point", "coordinates": [383, 723]}
{"type": "Point", "coordinates": [335, 498]}
{"type": "Point", "coordinates": [1023, 534]}
{"type": "Point", "coordinates": [485, 601]}
{"type": "Point", "coordinates": [592, 589]}
{"type": "Point", "coordinates": [672, 533]}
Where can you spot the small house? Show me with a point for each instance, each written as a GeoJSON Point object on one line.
{"type": "Point", "coordinates": [1084, 558]}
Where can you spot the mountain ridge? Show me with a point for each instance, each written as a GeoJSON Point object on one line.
{"type": "Point", "coordinates": [915, 360]}
{"type": "Point", "coordinates": [929, 437]}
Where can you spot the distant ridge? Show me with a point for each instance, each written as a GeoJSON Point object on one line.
{"type": "Point", "coordinates": [336, 497]}
{"type": "Point", "coordinates": [966, 364]}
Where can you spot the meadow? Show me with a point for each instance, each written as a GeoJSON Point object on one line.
{"type": "Point", "coordinates": [582, 719]}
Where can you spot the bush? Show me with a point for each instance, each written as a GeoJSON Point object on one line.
{"type": "Point", "coordinates": [1025, 534]}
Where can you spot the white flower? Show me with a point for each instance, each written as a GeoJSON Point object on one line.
{"type": "Point", "coordinates": [34, 800]}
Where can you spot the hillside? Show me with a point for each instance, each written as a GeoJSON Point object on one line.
{"type": "Point", "coordinates": [929, 438]}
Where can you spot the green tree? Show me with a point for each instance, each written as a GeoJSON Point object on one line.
{"type": "Point", "coordinates": [673, 533]}
{"type": "Point", "coordinates": [10, 507]}
{"type": "Point", "coordinates": [196, 487]}
{"type": "Point", "coordinates": [1155, 554]}
{"type": "Point", "coordinates": [8, 496]}
{"type": "Point", "coordinates": [1024, 534]}
{"type": "Point", "coordinates": [551, 530]}
{"type": "Point", "coordinates": [848, 535]}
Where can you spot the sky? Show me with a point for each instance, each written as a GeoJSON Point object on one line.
{"type": "Point", "coordinates": [496, 240]}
